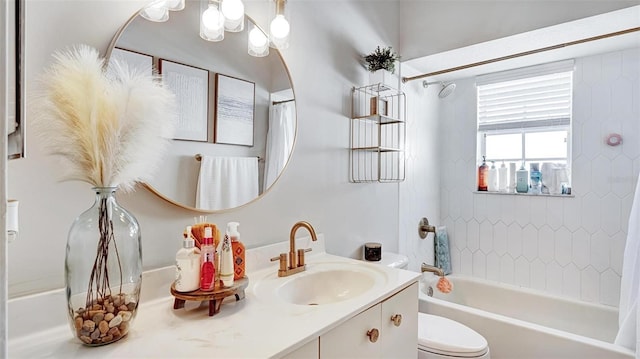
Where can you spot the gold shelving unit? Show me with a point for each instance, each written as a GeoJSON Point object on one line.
{"type": "Point", "coordinates": [378, 134]}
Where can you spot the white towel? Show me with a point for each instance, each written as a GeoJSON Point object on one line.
{"type": "Point", "coordinates": [628, 320]}
{"type": "Point", "coordinates": [226, 182]}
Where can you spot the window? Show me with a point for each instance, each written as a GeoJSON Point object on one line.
{"type": "Point", "coordinates": [524, 117]}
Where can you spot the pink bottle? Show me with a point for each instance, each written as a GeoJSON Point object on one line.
{"type": "Point", "coordinates": [208, 271]}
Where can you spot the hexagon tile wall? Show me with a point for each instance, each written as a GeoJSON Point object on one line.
{"type": "Point", "coordinates": [567, 246]}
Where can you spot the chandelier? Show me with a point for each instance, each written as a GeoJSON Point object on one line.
{"type": "Point", "coordinates": [220, 16]}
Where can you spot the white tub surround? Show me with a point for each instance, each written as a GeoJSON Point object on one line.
{"type": "Point", "coordinates": [524, 323]}
{"type": "Point", "coordinates": [252, 327]}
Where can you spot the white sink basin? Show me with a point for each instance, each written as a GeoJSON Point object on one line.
{"type": "Point", "coordinates": [321, 284]}
{"type": "Point", "coordinates": [325, 287]}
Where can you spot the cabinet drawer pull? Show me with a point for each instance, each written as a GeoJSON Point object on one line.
{"type": "Point", "coordinates": [397, 319]}
{"type": "Point", "coordinates": [373, 335]}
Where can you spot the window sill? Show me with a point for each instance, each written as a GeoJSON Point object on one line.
{"type": "Point", "coordinates": [526, 194]}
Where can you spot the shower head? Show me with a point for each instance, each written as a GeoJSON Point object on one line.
{"type": "Point", "coordinates": [446, 90]}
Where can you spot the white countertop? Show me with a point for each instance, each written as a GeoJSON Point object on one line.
{"type": "Point", "coordinates": [254, 327]}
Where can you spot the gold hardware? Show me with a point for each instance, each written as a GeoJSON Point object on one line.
{"type": "Point", "coordinates": [283, 261]}
{"type": "Point", "coordinates": [301, 253]}
{"type": "Point", "coordinates": [427, 268]}
{"type": "Point", "coordinates": [397, 319]}
{"type": "Point", "coordinates": [296, 259]}
{"type": "Point", "coordinates": [280, 7]}
{"type": "Point", "coordinates": [373, 335]}
{"type": "Point", "coordinates": [424, 228]}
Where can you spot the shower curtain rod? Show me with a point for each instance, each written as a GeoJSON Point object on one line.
{"type": "Point", "coordinates": [520, 54]}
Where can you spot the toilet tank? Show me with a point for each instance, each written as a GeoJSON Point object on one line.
{"type": "Point", "coordinates": [393, 260]}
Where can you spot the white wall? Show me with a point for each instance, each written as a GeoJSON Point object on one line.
{"type": "Point", "coordinates": [328, 40]}
{"type": "Point", "coordinates": [567, 246]}
{"type": "Point", "coordinates": [420, 193]}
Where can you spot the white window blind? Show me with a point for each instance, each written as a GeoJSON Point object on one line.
{"type": "Point", "coordinates": [534, 97]}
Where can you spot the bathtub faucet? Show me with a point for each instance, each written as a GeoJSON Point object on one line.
{"type": "Point", "coordinates": [427, 268]}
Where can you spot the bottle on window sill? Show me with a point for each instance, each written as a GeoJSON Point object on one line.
{"type": "Point", "coordinates": [492, 185]}
{"type": "Point", "coordinates": [522, 183]}
{"type": "Point", "coordinates": [536, 178]}
{"type": "Point", "coordinates": [502, 178]}
{"type": "Point", "coordinates": [482, 175]}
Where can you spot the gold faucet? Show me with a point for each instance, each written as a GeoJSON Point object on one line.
{"type": "Point", "coordinates": [427, 268]}
{"type": "Point", "coordinates": [296, 258]}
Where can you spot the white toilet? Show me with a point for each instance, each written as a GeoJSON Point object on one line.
{"type": "Point", "coordinates": [439, 337]}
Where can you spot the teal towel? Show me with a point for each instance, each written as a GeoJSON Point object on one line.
{"type": "Point", "coordinates": [442, 254]}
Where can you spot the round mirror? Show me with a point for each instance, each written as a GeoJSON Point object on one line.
{"type": "Point", "coordinates": [237, 117]}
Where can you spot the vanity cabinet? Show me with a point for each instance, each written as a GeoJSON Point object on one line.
{"type": "Point", "coordinates": [378, 133]}
{"type": "Point", "coordinates": [389, 329]}
{"type": "Point", "coordinates": [308, 351]}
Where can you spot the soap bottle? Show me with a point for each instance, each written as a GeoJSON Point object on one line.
{"type": "Point", "coordinates": [492, 186]}
{"type": "Point", "coordinates": [226, 260]}
{"type": "Point", "coordinates": [512, 178]}
{"type": "Point", "coordinates": [187, 265]}
{"type": "Point", "coordinates": [502, 178]}
{"type": "Point", "coordinates": [536, 178]}
{"type": "Point", "coordinates": [522, 184]}
{"type": "Point", "coordinates": [208, 271]}
{"type": "Point", "coordinates": [482, 175]}
{"type": "Point", "coordinates": [238, 250]}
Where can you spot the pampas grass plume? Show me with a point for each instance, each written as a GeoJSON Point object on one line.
{"type": "Point", "coordinates": [110, 129]}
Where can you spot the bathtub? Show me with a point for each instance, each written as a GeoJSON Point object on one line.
{"type": "Point", "coordinates": [523, 323]}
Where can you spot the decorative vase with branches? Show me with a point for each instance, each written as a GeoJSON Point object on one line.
{"type": "Point", "coordinates": [109, 130]}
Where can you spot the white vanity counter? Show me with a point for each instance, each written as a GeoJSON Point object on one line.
{"type": "Point", "coordinates": [255, 327]}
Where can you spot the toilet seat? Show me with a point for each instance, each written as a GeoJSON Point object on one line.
{"type": "Point", "coordinates": [444, 336]}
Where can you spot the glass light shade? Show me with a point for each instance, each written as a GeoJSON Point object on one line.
{"type": "Point", "coordinates": [156, 12]}
{"type": "Point", "coordinates": [279, 27]}
{"type": "Point", "coordinates": [258, 44]}
{"type": "Point", "coordinates": [211, 22]}
{"type": "Point", "coordinates": [174, 5]}
{"type": "Point", "coordinates": [233, 11]}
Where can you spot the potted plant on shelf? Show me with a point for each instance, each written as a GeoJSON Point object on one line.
{"type": "Point", "coordinates": [382, 65]}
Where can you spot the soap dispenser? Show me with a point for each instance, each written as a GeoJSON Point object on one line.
{"type": "Point", "coordinates": [226, 259]}
{"type": "Point", "coordinates": [187, 265]}
{"type": "Point", "coordinates": [482, 175]}
{"type": "Point", "coordinates": [238, 251]}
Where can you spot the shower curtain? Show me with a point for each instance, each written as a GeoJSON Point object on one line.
{"type": "Point", "coordinates": [628, 319]}
{"type": "Point", "coordinates": [279, 140]}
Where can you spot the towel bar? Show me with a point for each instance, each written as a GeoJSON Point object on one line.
{"type": "Point", "coordinates": [198, 157]}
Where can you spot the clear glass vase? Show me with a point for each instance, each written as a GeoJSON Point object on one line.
{"type": "Point", "coordinates": [103, 271]}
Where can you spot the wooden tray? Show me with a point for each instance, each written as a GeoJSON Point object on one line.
{"type": "Point", "coordinates": [214, 297]}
